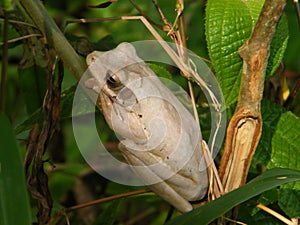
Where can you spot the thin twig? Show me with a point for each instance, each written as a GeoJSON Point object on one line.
{"type": "Point", "coordinates": [144, 15]}
{"type": "Point", "coordinates": [295, 221]}
{"type": "Point", "coordinates": [67, 218]}
{"type": "Point", "coordinates": [21, 38]}
{"type": "Point", "coordinates": [181, 51]}
{"type": "Point", "coordinates": [234, 221]}
{"type": "Point", "coordinates": [275, 214]}
{"type": "Point", "coordinates": [19, 22]}
{"type": "Point", "coordinates": [93, 20]}
{"type": "Point", "coordinates": [193, 101]}
{"type": "Point", "coordinates": [215, 179]}
{"type": "Point", "coordinates": [106, 199]}
{"type": "Point", "coordinates": [162, 16]}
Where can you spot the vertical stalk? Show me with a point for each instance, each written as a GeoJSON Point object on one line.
{"type": "Point", "coordinates": [244, 129]}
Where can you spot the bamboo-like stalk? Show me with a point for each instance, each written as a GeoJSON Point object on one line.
{"type": "Point", "coordinates": [54, 37]}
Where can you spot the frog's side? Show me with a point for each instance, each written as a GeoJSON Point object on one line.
{"type": "Point", "coordinates": [156, 129]}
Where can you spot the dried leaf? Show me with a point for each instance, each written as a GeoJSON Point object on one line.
{"type": "Point", "coordinates": [37, 179]}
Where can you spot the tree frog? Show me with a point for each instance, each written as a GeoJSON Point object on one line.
{"type": "Point", "coordinates": [158, 136]}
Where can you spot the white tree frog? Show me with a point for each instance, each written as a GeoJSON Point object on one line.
{"type": "Point", "coordinates": [159, 137]}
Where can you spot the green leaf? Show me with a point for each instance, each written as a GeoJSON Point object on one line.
{"type": "Point", "coordinates": [212, 210]}
{"type": "Point", "coordinates": [289, 202]}
{"type": "Point", "coordinates": [33, 80]}
{"type": "Point", "coordinates": [266, 198]}
{"type": "Point", "coordinates": [286, 153]}
{"type": "Point", "coordinates": [278, 46]}
{"type": "Point", "coordinates": [260, 217]}
{"type": "Point", "coordinates": [271, 114]}
{"type": "Point", "coordinates": [28, 123]}
{"type": "Point", "coordinates": [160, 71]}
{"type": "Point", "coordinates": [280, 147]}
{"type": "Point", "coordinates": [7, 5]}
{"type": "Point", "coordinates": [14, 202]}
{"type": "Point", "coordinates": [108, 216]}
{"type": "Point", "coordinates": [286, 143]}
{"type": "Point", "coordinates": [229, 24]}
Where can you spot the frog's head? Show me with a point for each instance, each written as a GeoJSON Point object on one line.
{"type": "Point", "coordinates": [124, 54]}
{"type": "Point", "coordinates": [115, 74]}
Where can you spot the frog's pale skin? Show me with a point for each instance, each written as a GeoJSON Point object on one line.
{"type": "Point", "coordinates": [158, 133]}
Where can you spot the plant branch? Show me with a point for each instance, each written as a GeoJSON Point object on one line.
{"type": "Point", "coordinates": [106, 199]}
{"type": "Point", "coordinates": [144, 15]}
{"type": "Point", "coordinates": [64, 212]}
{"type": "Point", "coordinates": [275, 214]}
{"type": "Point", "coordinates": [244, 129]}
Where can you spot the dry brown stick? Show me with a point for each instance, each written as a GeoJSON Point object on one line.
{"type": "Point", "coordinates": [64, 212]}
{"type": "Point", "coordinates": [106, 199]}
{"type": "Point", "coordinates": [144, 15]}
{"type": "Point", "coordinates": [275, 214]}
{"type": "Point", "coordinates": [244, 129]}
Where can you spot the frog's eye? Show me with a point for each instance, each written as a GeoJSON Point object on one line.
{"type": "Point", "coordinates": [113, 81]}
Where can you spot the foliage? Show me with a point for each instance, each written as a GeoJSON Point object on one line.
{"type": "Point", "coordinates": [227, 29]}
{"type": "Point", "coordinates": [13, 193]}
{"type": "Point", "coordinates": [217, 208]}
{"type": "Point", "coordinates": [215, 30]}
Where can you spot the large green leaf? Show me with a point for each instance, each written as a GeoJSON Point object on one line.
{"type": "Point", "coordinates": [286, 153]}
{"type": "Point", "coordinates": [212, 210]}
{"type": "Point", "coordinates": [271, 114]}
{"type": "Point", "coordinates": [279, 146]}
{"type": "Point", "coordinates": [278, 46]}
{"type": "Point", "coordinates": [228, 25]}
{"type": "Point", "coordinates": [289, 201]}
{"type": "Point", "coordinates": [14, 202]}
{"type": "Point", "coordinates": [286, 143]}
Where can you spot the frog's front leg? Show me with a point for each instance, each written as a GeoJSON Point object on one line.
{"type": "Point", "coordinates": [163, 188]}
{"type": "Point", "coordinates": [166, 192]}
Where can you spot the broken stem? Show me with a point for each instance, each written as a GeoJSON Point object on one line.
{"type": "Point", "coordinates": [244, 129]}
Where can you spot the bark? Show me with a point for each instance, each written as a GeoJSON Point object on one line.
{"type": "Point", "coordinates": [245, 127]}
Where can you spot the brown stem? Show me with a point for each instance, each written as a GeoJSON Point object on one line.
{"type": "Point", "coordinates": [244, 129]}
{"type": "Point", "coordinates": [144, 15]}
{"type": "Point", "coordinates": [55, 219]}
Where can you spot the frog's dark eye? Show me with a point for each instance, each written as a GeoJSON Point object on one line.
{"type": "Point", "coordinates": [113, 81]}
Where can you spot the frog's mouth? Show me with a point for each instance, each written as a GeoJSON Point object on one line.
{"type": "Point", "coordinates": [124, 97]}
